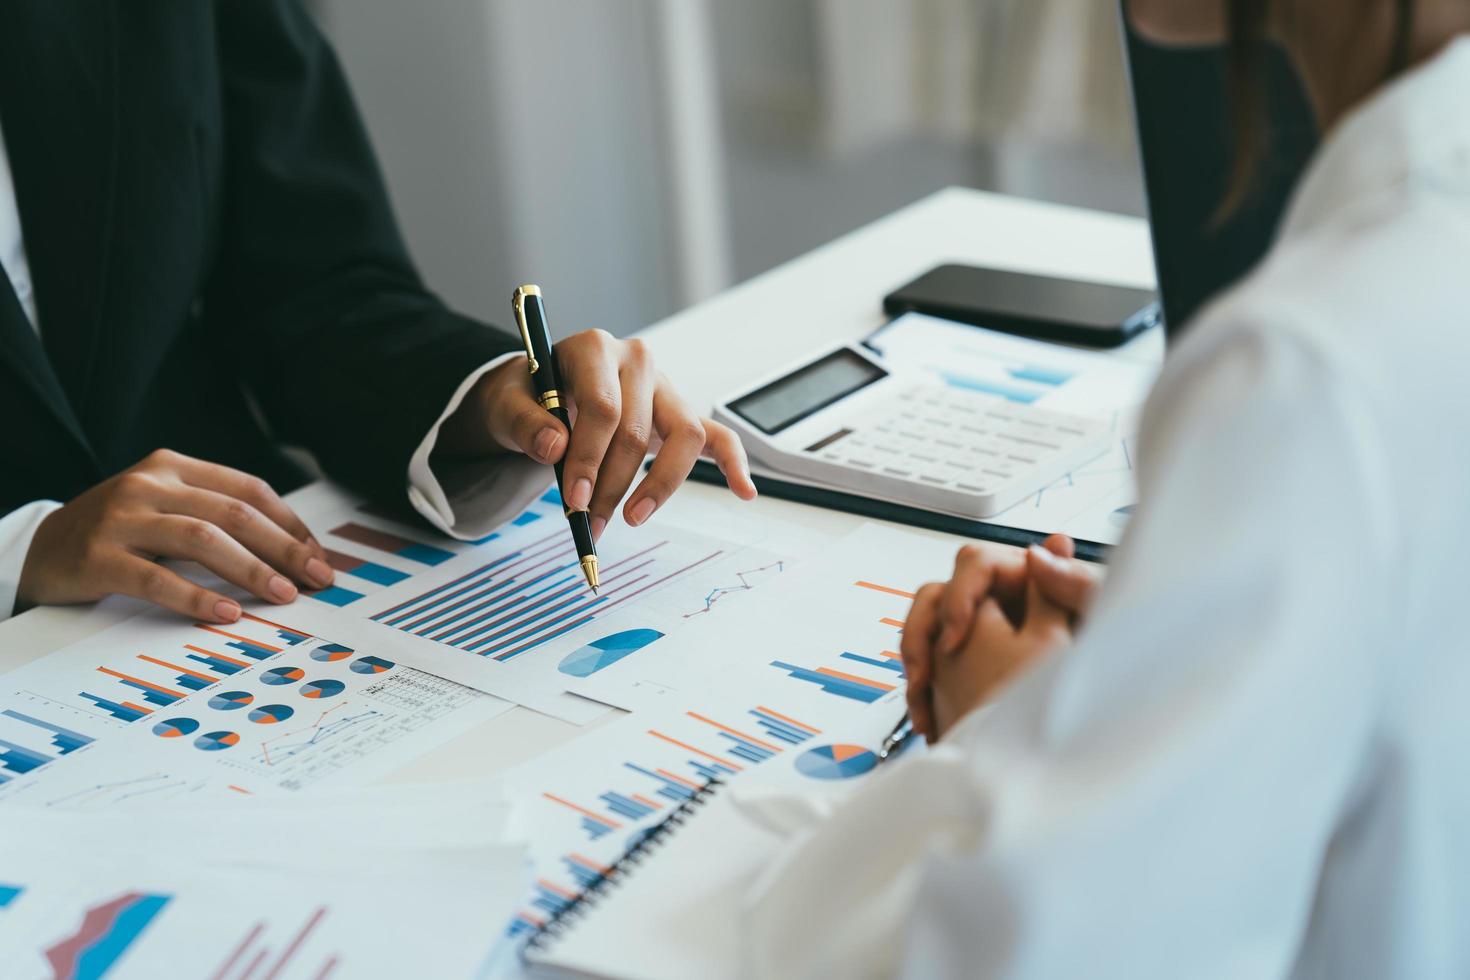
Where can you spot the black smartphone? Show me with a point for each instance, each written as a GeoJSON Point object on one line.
{"type": "Point", "coordinates": [1032, 306]}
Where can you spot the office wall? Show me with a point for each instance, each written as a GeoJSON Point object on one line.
{"type": "Point", "coordinates": [637, 156]}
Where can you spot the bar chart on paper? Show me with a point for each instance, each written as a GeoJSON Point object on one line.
{"type": "Point", "coordinates": [511, 614]}
{"type": "Point", "coordinates": [867, 676]}
{"type": "Point", "coordinates": [594, 800]}
{"type": "Point", "coordinates": [156, 708]}
{"type": "Point", "coordinates": [372, 551]}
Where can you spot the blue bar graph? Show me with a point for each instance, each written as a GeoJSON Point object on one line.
{"type": "Point", "coordinates": [19, 759]}
{"type": "Point", "coordinates": [478, 620]}
{"type": "Point", "coordinates": [529, 517]}
{"type": "Point", "coordinates": [548, 899]}
{"type": "Point", "coordinates": [192, 683]}
{"type": "Point", "coordinates": [595, 828]}
{"type": "Point", "coordinates": [779, 728]}
{"type": "Point", "coordinates": [216, 664]}
{"type": "Point", "coordinates": [64, 739]}
{"type": "Point", "coordinates": [419, 604]}
{"type": "Point", "coordinates": [832, 684]}
{"type": "Point", "coordinates": [9, 893]}
{"type": "Point", "coordinates": [466, 611]}
{"type": "Point", "coordinates": [290, 637]}
{"type": "Point", "coordinates": [152, 694]}
{"type": "Point", "coordinates": [745, 749]}
{"type": "Point", "coordinates": [115, 709]}
{"type": "Point", "coordinates": [626, 806]}
{"type": "Point", "coordinates": [669, 789]}
{"type": "Point", "coordinates": [582, 873]}
{"type": "Point", "coordinates": [251, 650]}
{"type": "Point", "coordinates": [710, 770]}
{"type": "Point", "coordinates": [886, 663]}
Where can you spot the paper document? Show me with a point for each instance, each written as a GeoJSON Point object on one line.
{"type": "Point", "coordinates": [798, 699]}
{"type": "Point", "coordinates": [513, 616]}
{"type": "Point", "coordinates": [158, 708]}
{"type": "Point", "coordinates": [154, 915]}
{"type": "Point", "coordinates": [855, 593]}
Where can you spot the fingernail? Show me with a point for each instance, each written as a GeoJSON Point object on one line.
{"type": "Point", "coordinates": [279, 587]}
{"type": "Point", "coordinates": [1045, 557]}
{"type": "Point", "coordinates": [581, 494]}
{"type": "Point", "coordinates": [226, 610]}
{"type": "Point", "coordinates": [598, 523]}
{"type": "Point", "coordinates": [641, 511]}
{"type": "Point", "coordinates": [545, 444]}
{"type": "Point", "coordinates": [319, 572]}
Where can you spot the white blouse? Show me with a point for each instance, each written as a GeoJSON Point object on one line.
{"type": "Point", "coordinates": [1255, 760]}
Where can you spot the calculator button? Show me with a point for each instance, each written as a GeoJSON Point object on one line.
{"type": "Point", "coordinates": [896, 471]}
{"type": "Point", "coordinates": [972, 488]}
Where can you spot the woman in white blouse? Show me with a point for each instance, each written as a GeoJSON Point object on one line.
{"type": "Point", "coordinates": [1251, 760]}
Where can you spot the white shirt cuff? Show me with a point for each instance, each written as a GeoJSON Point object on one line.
{"type": "Point", "coordinates": [17, 528]}
{"type": "Point", "coordinates": [469, 498]}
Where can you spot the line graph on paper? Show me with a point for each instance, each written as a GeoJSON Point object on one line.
{"type": "Point", "coordinates": [746, 580]}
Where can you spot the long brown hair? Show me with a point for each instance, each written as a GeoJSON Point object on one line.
{"type": "Point", "coordinates": [1248, 21]}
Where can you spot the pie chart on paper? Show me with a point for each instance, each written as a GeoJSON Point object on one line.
{"type": "Point", "coordinates": [371, 665]}
{"type": "Point", "coordinates": [282, 675]}
{"type": "Point", "coordinates": [836, 761]}
{"type": "Point", "coordinates": [588, 660]}
{"type": "Point", "coordinates": [269, 714]}
{"type": "Point", "coordinates": [215, 741]}
{"type": "Point", "coordinates": [231, 700]}
{"type": "Point", "coordinates": [331, 652]}
{"type": "Point", "coordinates": [175, 727]}
{"type": "Point", "coordinates": [322, 689]}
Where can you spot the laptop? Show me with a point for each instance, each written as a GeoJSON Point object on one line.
{"type": "Point", "coordinates": [1182, 114]}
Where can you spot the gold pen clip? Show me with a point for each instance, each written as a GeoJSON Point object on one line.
{"type": "Point", "coordinates": [517, 302]}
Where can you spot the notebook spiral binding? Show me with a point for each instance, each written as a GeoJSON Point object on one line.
{"type": "Point", "coordinates": [648, 842]}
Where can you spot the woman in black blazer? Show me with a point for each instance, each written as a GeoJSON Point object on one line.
{"type": "Point", "coordinates": [210, 269]}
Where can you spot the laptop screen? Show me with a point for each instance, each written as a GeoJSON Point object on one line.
{"type": "Point", "coordinates": [1182, 110]}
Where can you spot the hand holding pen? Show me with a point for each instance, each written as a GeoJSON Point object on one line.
{"type": "Point", "coordinates": [620, 405]}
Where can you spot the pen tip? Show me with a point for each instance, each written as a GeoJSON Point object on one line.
{"type": "Point", "coordinates": [594, 590]}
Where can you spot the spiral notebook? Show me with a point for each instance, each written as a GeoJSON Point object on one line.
{"type": "Point", "coordinates": [669, 907]}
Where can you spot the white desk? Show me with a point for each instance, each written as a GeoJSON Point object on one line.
{"type": "Point", "coordinates": [830, 294]}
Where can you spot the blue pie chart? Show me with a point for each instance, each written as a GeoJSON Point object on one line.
{"type": "Point", "coordinates": [588, 660]}
{"type": "Point", "coordinates": [331, 652]}
{"type": "Point", "coordinates": [322, 689]}
{"type": "Point", "coordinates": [835, 761]}
{"type": "Point", "coordinates": [371, 665]}
{"type": "Point", "coordinates": [175, 727]}
{"type": "Point", "coordinates": [269, 714]}
{"type": "Point", "coordinates": [231, 700]}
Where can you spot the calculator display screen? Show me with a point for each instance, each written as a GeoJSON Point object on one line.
{"type": "Point", "coordinates": [806, 391]}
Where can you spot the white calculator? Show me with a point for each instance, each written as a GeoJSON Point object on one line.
{"type": "Point", "coordinates": [846, 421]}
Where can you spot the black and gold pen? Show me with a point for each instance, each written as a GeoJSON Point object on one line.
{"type": "Point", "coordinates": [530, 311]}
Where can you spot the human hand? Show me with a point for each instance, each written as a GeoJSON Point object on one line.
{"type": "Point", "coordinates": [107, 541]}
{"type": "Point", "coordinates": [995, 651]}
{"type": "Point", "coordinates": [945, 614]}
{"type": "Point", "coordinates": [622, 407]}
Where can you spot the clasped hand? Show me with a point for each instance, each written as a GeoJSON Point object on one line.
{"type": "Point", "coordinates": [1003, 609]}
{"type": "Point", "coordinates": [108, 539]}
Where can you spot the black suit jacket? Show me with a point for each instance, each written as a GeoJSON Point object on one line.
{"type": "Point", "coordinates": [215, 263]}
